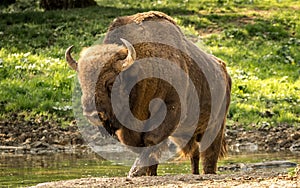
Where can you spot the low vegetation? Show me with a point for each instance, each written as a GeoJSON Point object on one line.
{"type": "Point", "coordinates": [259, 40]}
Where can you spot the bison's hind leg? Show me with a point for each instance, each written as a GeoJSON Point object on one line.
{"type": "Point", "coordinates": [191, 150]}
{"type": "Point", "coordinates": [210, 156]}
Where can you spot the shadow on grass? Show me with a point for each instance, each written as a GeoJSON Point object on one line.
{"type": "Point", "coordinates": [31, 31]}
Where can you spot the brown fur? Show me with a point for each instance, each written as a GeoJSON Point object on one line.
{"type": "Point", "coordinates": [107, 59]}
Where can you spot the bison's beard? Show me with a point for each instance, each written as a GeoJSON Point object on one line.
{"type": "Point", "coordinates": [110, 124]}
{"type": "Point", "coordinates": [109, 128]}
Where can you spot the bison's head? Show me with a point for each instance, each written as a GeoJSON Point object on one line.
{"type": "Point", "coordinates": [97, 68]}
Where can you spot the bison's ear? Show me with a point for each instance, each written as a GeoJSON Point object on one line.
{"type": "Point", "coordinates": [72, 63]}
{"type": "Point", "coordinates": [131, 56]}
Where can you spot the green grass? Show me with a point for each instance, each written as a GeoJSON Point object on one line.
{"type": "Point", "coordinates": [260, 42]}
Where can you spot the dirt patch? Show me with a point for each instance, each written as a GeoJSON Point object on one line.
{"type": "Point", "coordinates": [223, 180]}
{"type": "Point", "coordinates": [39, 135]}
{"type": "Point", "coordinates": [265, 138]}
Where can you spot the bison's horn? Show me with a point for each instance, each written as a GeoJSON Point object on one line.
{"type": "Point", "coordinates": [131, 54]}
{"type": "Point", "coordinates": [72, 63]}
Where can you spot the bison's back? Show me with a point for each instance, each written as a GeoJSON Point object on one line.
{"type": "Point", "coordinates": [150, 26]}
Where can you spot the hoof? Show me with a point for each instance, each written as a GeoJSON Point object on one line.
{"type": "Point", "coordinates": [137, 172]}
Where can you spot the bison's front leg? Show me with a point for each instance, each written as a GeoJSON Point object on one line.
{"type": "Point", "coordinates": [152, 170]}
{"type": "Point", "coordinates": [137, 170]}
{"type": "Point", "coordinates": [146, 163]}
{"type": "Point", "coordinates": [155, 142]}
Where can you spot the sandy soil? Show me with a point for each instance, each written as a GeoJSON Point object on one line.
{"type": "Point", "coordinates": [240, 179]}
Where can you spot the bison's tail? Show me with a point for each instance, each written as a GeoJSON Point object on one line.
{"type": "Point", "coordinates": [192, 147]}
{"type": "Point", "coordinates": [223, 150]}
{"type": "Point", "coordinates": [188, 150]}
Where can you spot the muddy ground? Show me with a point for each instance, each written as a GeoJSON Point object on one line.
{"type": "Point", "coordinates": [40, 136]}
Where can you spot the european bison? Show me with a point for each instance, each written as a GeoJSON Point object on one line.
{"type": "Point", "coordinates": [152, 42]}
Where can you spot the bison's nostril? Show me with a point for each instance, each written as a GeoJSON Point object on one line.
{"type": "Point", "coordinates": [90, 113]}
{"type": "Point", "coordinates": [95, 115]}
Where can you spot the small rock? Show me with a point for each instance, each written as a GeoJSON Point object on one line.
{"type": "Point", "coordinates": [295, 147]}
{"type": "Point", "coordinates": [245, 147]}
{"type": "Point", "coordinates": [295, 136]}
{"type": "Point", "coordinates": [40, 144]}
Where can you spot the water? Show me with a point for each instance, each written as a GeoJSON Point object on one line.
{"type": "Point", "coordinates": [26, 170]}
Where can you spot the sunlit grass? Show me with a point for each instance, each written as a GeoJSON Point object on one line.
{"type": "Point", "coordinates": [260, 42]}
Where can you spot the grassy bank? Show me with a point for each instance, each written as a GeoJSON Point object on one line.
{"type": "Point", "coordinates": [260, 43]}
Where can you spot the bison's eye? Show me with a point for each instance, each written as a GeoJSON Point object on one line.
{"type": "Point", "coordinates": [109, 88]}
